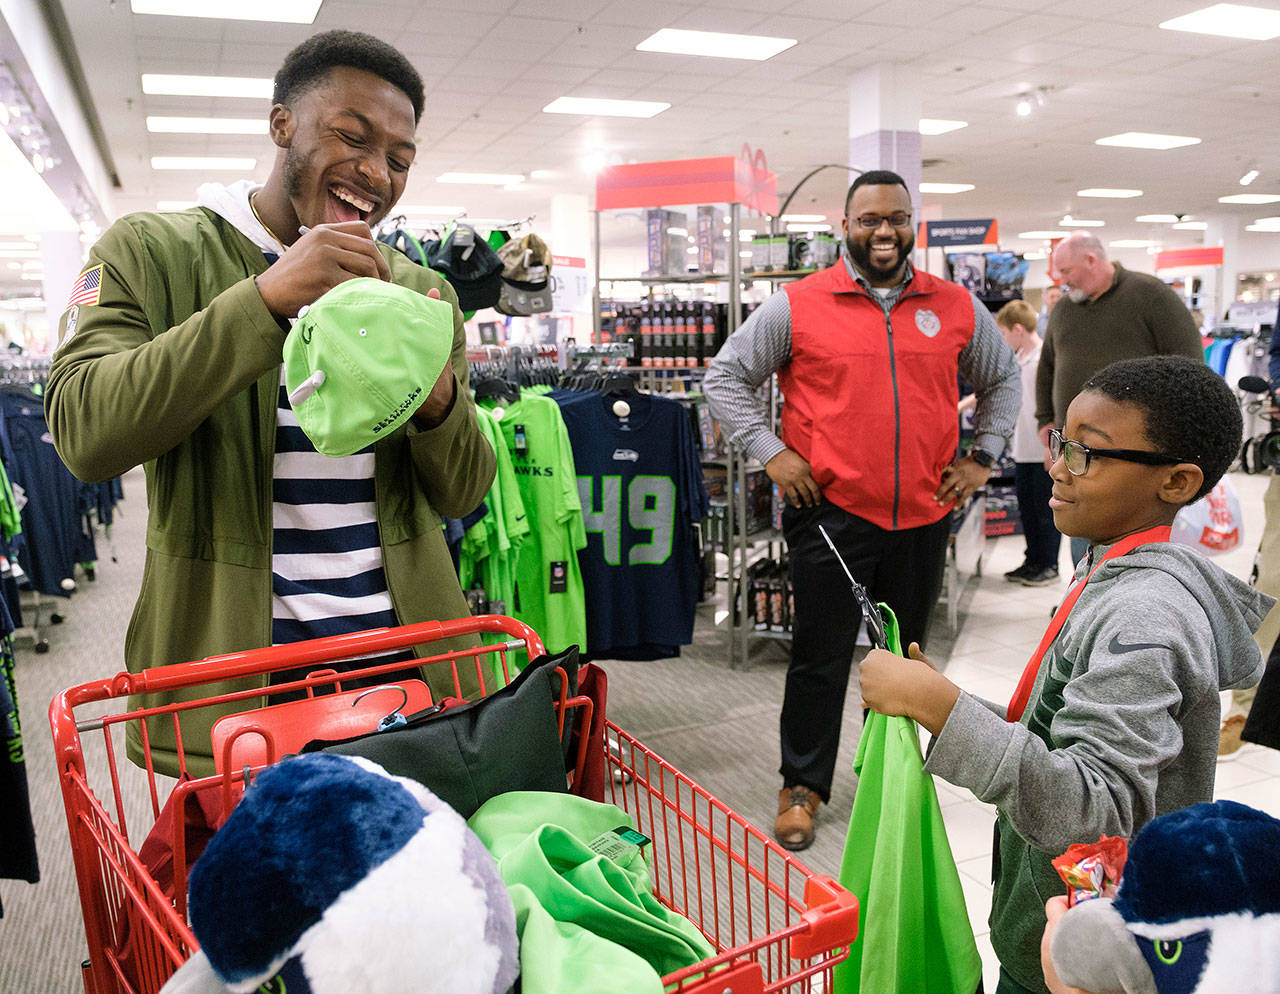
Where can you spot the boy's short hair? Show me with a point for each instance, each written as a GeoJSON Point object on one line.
{"type": "Point", "coordinates": [1188, 409]}
{"type": "Point", "coordinates": [306, 66]}
{"type": "Point", "coordinates": [1017, 312]}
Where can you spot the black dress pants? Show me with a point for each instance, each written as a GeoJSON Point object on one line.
{"type": "Point", "coordinates": [901, 568]}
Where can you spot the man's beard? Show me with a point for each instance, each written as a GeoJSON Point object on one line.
{"type": "Point", "coordinates": [1076, 296]}
{"type": "Point", "coordinates": [860, 255]}
{"type": "Point", "coordinates": [291, 173]}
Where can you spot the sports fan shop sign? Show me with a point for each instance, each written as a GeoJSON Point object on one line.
{"type": "Point", "coordinates": [948, 234]}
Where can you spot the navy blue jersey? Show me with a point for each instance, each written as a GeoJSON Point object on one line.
{"type": "Point", "coordinates": [641, 488]}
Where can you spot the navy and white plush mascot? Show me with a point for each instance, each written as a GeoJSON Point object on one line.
{"type": "Point", "coordinates": [1197, 912]}
{"type": "Point", "coordinates": [333, 877]}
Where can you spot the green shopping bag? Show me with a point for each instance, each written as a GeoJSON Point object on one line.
{"type": "Point", "coordinates": [914, 935]}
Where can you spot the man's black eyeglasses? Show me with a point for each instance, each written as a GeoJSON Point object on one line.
{"type": "Point", "coordinates": [901, 219]}
{"type": "Point", "coordinates": [1078, 456]}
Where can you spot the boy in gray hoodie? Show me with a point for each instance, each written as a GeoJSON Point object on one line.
{"type": "Point", "coordinates": [1116, 718]}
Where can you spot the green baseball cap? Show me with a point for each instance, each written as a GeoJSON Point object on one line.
{"type": "Point", "coordinates": [361, 359]}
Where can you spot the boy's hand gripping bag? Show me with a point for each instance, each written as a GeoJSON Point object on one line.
{"type": "Point", "coordinates": [915, 936]}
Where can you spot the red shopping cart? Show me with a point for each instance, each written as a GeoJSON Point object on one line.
{"type": "Point", "coordinates": [777, 925]}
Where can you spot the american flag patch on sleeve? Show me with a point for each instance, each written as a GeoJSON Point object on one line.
{"type": "Point", "coordinates": [87, 288]}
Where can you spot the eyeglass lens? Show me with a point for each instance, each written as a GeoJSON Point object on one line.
{"type": "Point", "coordinates": [870, 221]}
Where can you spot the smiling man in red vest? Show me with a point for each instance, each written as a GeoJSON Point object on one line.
{"type": "Point", "coordinates": [867, 354]}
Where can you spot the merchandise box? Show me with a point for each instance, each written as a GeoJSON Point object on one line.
{"type": "Point", "coordinates": [667, 238]}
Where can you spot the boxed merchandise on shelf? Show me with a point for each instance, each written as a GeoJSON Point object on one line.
{"type": "Point", "coordinates": [1002, 516]}
{"type": "Point", "coordinates": [759, 494]}
{"type": "Point", "coordinates": [668, 237]}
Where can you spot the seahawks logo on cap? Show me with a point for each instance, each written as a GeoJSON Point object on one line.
{"type": "Point", "coordinates": [928, 324]}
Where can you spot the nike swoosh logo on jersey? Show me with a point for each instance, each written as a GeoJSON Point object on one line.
{"type": "Point", "coordinates": [1117, 648]}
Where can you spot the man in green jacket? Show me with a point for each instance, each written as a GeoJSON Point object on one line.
{"type": "Point", "coordinates": [170, 356]}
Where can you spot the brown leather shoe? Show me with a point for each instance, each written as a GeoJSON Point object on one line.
{"type": "Point", "coordinates": [797, 807]}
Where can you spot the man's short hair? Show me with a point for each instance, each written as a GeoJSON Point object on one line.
{"type": "Point", "coordinates": [875, 177]}
{"type": "Point", "coordinates": [306, 66]}
{"type": "Point", "coordinates": [1188, 409]}
{"type": "Point", "coordinates": [1016, 312]}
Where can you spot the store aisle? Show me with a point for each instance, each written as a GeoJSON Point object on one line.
{"type": "Point", "coordinates": [718, 726]}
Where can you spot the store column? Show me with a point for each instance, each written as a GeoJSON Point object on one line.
{"type": "Point", "coordinates": [884, 124]}
{"type": "Point", "coordinates": [62, 255]}
{"type": "Point", "coordinates": [1220, 283]}
{"type": "Point", "coordinates": [570, 241]}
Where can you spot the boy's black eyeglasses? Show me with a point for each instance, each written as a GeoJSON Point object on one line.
{"type": "Point", "coordinates": [1078, 456]}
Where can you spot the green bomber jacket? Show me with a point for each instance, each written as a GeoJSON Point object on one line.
{"type": "Point", "coordinates": [177, 367]}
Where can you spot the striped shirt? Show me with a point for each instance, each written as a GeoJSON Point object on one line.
{"type": "Point", "coordinates": [762, 346]}
{"type": "Point", "coordinates": [326, 560]}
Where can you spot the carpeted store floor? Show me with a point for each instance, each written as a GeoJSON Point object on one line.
{"type": "Point", "coordinates": [718, 726]}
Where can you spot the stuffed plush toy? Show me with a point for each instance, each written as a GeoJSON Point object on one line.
{"type": "Point", "coordinates": [1197, 912]}
{"type": "Point", "coordinates": [333, 877]}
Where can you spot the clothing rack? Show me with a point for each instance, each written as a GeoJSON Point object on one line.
{"type": "Point", "coordinates": [22, 370]}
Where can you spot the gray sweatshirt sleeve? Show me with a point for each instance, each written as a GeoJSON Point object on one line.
{"type": "Point", "coordinates": [988, 365]}
{"type": "Point", "coordinates": [747, 359]}
{"type": "Point", "coordinates": [1134, 673]}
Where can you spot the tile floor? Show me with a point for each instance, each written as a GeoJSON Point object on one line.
{"type": "Point", "coordinates": [1001, 627]}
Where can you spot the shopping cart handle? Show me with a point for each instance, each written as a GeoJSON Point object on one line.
{"type": "Point", "coordinates": [832, 918]}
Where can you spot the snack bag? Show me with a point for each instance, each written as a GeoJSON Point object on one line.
{"type": "Point", "coordinates": [1092, 869]}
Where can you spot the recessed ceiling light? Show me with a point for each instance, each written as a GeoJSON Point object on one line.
{"type": "Point", "coordinates": [481, 179]}
{"type": "Point", "coordinates": [1145, 139]}
{"type": "Point", "coordinates": [1158, 218]}
{"type": "Point", "coordinates": [282, 11]}
{"type": "Point", "coordinates": [800, 218]}
{"type": "Point", "coordinates": [1078, 222]}
{"type": "Point", "coordinates": [1250, 198]}
{"type": "Point", "coordinates": [945, 187]}
{"type": "Point", "coordinates": [604, 107]}
{"type": "Point", "coordinates": [174, 205]}
{"type": "Point", "coordinates": [1272, 228]}
{"type": "Point", "coordinates": [33, 276]}
{"type": "Point", "coordinates": [714, 44]}
{"type": "Point", "coordinates": [207, 125]}
{"type": "Point", "coordinates": [212, 162]}
{"type": "Point", "coordinates": [1103, 191]}
{"type": "Point", "coordinates": [1192, 225]}
{"type": "Point", "coordinates": [542, 174]}
{"type": "Point", "coordinates": [161, 84]}
{"type": "Point", "coordinates": [1037, 236]}
{"type": "Point", "coordinates": [1248, 177]}
{"type": "Point", "coordinates": [938, 126]}
{"type": "Point", "coordinates": [1131, 243]}
{"type": "Point", "coordinates": [1230, 20]}
{"type": "Point", "coordinates": [808, 227]}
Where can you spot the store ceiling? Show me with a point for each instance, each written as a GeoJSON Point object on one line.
{"type": "Point", "coordinates": [491, 65]}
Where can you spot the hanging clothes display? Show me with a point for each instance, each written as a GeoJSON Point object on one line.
{"type": "Point", "coordinates": [641, 489]}
{"type": "Point", "coordinates": [491, 545]}
{"type": "Point", "coordinates": [548, 591]}
{"type": "Point", "coordinates": [17, 836]}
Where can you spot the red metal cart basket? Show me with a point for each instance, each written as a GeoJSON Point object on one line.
{"type": "Point", "coordinates": [777, 925]}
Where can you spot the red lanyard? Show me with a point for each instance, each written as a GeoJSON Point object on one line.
{"type": "Point", "coordinates": [1018, 702]}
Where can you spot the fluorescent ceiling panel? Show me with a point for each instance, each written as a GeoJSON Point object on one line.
{"type": "Point", "coordinates": [1250, 198]}
{"type": "Point", "coordinates": [1192, 225]}
{"type": "Point", "coordinates": [939, 126]}
{"type": "Point", "coordinates": [1037, 236]}
{"type": "Point", "coordinates": [801, 218]}
{"type": "Point", "coordinates": [207, 125]}
{"type": "Point", "coordinates": [1105, 191]}
{"type": "Point", "coordinates": [1131, 243]}
{"type": "Point", "coordinates": [281, 11]}
{"type": "Point", "coordinates": [481, 179]}
{"type": "Point", "coordinates": [1146, 139]}
{"type": "Point", "coordinates": [1229, 20]}
{"type": "Point", "coordinates": [945, 187]}
{"type": "Point", "coordinates": [163, 84]}
{"type": "Point", "coordinates": [1079, 222]}
{"type": "Point", "coordinates": [714, 44]}
{"type": "Point", "coordinates": [802, 227]}
{"type": "Point", "coordinates": [1157, 218]}
{"type": "Point", "coordinates": [226, 163]}
{"type": "Point", "coordinates": [1248, 177]}
{"type": "Point", "coordinates": [603, 107]}
{"type": "Point", "coordinates": [28, 203]}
